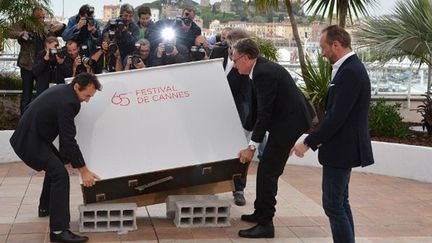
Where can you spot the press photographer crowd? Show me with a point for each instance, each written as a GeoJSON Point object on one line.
{"type": "Point", "coordinates": [94, 47]}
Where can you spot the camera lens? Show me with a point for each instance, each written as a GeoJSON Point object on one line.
{"type": "Point", "coordinates": [169, 48]}
{"type": "Point", "coordinates": [112, 47]}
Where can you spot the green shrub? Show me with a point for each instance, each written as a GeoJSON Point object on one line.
{"type": "Point", "coordinates": [385, 120]}
{"type": "Point", "coordinates": [10, 82]}
{"type": "Point", "coordinates": [425, 109]}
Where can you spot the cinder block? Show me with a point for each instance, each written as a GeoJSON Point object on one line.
{"type": "Point", "coordinates": [107, 217]}
{"type": "Point", "coordinates": [172, 199]}
{"type": "Point", "coordinates": [190, 214]}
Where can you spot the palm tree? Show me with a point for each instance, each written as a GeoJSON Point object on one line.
{"type": "Point", "coordinates": [342, 8]}
{"type": "Point", "coordinates": [405, 33]}
{"type": "Point", "coordinates": [268, 5]}
{"type": "Point", "coordinates": [19, 11]}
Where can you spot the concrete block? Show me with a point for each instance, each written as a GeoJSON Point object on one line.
{"type": "Point", "coordinates": [191, 214]}
{"type": "Point", "coordinates": [107, 217]}
{"type": "Point", "coordinates": [172, 199]}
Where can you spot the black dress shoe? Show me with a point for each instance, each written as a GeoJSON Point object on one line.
{"type": "Point", "coordinates": [258, 231]}
{"type": "Point", "coordinates": [43, 212]}
{"type": "Point", "coordinates": [67, 236]}
{"type": "Point", "coordinates": [253, 218]}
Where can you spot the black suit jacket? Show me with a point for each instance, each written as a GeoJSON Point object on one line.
{"type": "Point", "coordinates": [343, 136]}
{"type": "Point", "coordinates": [241, 89]}
{"type": "Point", "coordinates": [282, 109]}
{"type": "Point", "coordinates": [220, 51]}
{"type": "Point", "coordinates": [50, 115]}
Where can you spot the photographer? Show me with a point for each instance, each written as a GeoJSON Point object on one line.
{"type": "Point", "coordinates": [200, 51]}
{"type": "Point", "coordinates": [126, 31]}
{"type": "Point", "coordinates": [49, 67]}
{"type": "Point", "coordinates": [169, 51]}
{"type": "Point", "coordinates": [186, 29]}
{"type": "Point", "coordinates": [83, 28]}
{"type": "Point", "coordinates": [82, 63]}
{"type": "Point", "coordinates": [74, 60]}
{"type": "Point", "coordinates": [31, 41]}
{"type": "Point", "coordinates": [141, 57]}
{"type": "Point", "coordinates": [106, 59]}
{"type": "Point", "coordinates": [220, 39]}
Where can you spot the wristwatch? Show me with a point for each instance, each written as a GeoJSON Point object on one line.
{"type": "Point", "coordinates": [252, 147]}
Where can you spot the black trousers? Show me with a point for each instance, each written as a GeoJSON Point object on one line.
{"type": "Point", "coordinates": [270, 168]}
{"type": "Point", "coordinates": [55, 193]}
{"type": "Point", "coordinates": [28, 79]}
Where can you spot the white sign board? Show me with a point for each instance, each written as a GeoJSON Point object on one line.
{"type": "Point", "coordinates": [160, 118]}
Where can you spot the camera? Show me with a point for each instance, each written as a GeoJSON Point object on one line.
{"type": "Point", "coordinates": [136, 58]}
{"type": "Point", "coordinates": [185, 20]}
{"type": "Point", "coordinates": [59, 51]}
{"type": "Point", "coordinates": [87, 61]}
{"type": "Point", "coordinates": [198, 52]}
{"type": "Point", "coordinates": [84, 60]}
{"type": "Point", "coordinates": [168, 36]}
{"type": "Point", "coordinates": [116, 25]}
{"type": "Point", "coordinates": [90, 11]}
{"type": "Point", "coordinates": [169, 47]}
{"type": "Point", "coordinates": [29, 36]}
{"type": "Point", "coordinates": [91, 21]}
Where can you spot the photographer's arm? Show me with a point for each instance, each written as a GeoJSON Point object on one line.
{"type": "Point", "coordinates": [72, 29]}
{"type": "Point", "coordinates": [41, 63]}
{"type": "Point", "coordinates": [97, 55]}
{"type": "Point", "coordinates": [118, 62]}
{"type": "Point", "coordinates": [128, 63]}
{"type": "Point", "coordinates": [16, 31]}
{"type": "Point", "coordinates": [57, 29]}
{"type": "Point", "coordinates": [75, 64]}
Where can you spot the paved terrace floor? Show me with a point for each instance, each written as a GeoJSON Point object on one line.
{"type": "Point", "coordinates": [386, 209]}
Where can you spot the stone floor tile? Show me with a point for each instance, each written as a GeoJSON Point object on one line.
{"type": "Point", "coordinates": [28, 228]}
{"type": "Point", "coordinates": [25, 238]}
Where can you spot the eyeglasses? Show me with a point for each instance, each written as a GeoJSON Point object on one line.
{"type": "Point", "coordinates": [236, 59]}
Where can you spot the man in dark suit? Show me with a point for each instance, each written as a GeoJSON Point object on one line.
{"type": "Point", "coordinates": [50, 115]}
{"type": "Point", "coordinates": [284, 113]}
{"type": "Point", "coordinates": [343, 136]}
{"type": "Point", "coordinates": [241, 89]}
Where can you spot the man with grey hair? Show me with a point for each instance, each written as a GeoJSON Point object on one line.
{"type": "Point", "coordinates": [128, 34]}
{"type": "Point", "coordinates": [141, 56]}
{"type": "Point", "coordinates": [283, 112]}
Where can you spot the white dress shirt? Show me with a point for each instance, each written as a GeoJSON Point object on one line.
{"type": "Point", "coordinates": [339, 63]}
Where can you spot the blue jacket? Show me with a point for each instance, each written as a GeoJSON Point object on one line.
{"type": "Point", "coordinates": [81, 36]}
{"type": "Point", "coordinates": [343, 136]}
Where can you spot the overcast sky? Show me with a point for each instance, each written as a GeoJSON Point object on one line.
{"type": "Point", "coordinates": [71, 7]}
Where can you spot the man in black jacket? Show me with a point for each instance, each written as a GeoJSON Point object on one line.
{"type": "Point", "coordinates": [186, 29]}
{"type": "Point", "coordinates": [126, 33]}
{"type": "Point", "coordinates": [284, 113]}
{"type": "Point", "coordinates": [343, 136]}
{"type": "Point", "coordinates": [50, 115]}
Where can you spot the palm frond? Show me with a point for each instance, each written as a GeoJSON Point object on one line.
{"type": "Point", "coordinates": [266, 47]}
{"type": "Point", "coordinates": [319, 76]}
{"type": "Point", "coordinates": [407, 32]}
{"type": "Point", "coordinates": [20, 11]}
{"type": "Point", "coordinates": [327, 8]}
